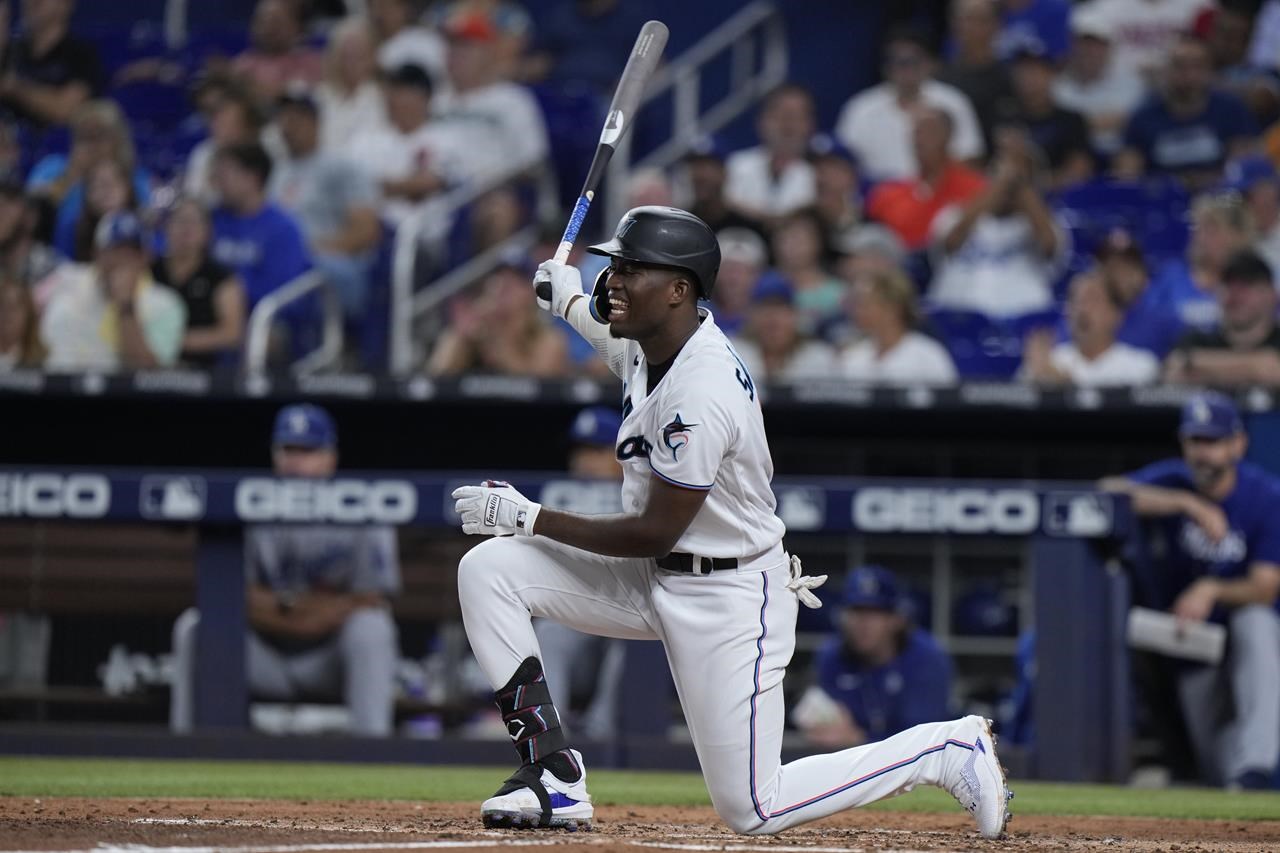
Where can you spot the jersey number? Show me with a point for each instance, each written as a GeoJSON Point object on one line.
{"type": "Point", "coordinates": [744, 378]}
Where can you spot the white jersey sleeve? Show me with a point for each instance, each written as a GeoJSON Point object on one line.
{"type": "Point", "coordinates": [697, 428]}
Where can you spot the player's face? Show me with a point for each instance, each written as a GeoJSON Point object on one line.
{"type": "Point", "coordinates": [869, 632]}
{"type": "Point", "coordinates": [1212, 459]}
{"type": "Point", "coordinates": [640, 298]}
{"type": "Point", "coordinates": [308, 462]}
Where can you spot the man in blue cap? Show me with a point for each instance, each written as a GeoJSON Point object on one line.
{"type": "Point", "coordinates": [1256, 179]}
{"type": "Point", "coordinates": [884, 674]}
{"type": "Point", "coordinates": [318, 598]}
{"type": "Point", "coordinates": [1215, 523]}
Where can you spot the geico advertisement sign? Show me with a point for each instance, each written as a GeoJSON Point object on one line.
{"type": "Point", "coordinates": [1004, 511]}
{"type": "Point", "coordinates": [350, 501]}
{"type": "Point", "coordinates": [54, 495]}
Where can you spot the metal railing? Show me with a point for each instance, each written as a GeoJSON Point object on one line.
{"type": "Point", "coordinates": [756, 41]}
{"type": "Point", "coordinates": [258, 333]}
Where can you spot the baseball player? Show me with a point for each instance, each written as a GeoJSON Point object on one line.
{"type": "Point", "coordinates": [695, 559]}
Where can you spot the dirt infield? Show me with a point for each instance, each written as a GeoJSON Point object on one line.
{"type": "Point", "coordinates": [148, 826]}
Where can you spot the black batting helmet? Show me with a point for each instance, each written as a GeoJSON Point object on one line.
{"type": "Point", "coordinates": [667, 237]}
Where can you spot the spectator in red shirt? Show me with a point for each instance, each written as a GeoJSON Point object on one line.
{"type": "Point", "coordinates": [276, 57]}
{"type": "Point", "coordinates": [909, 206]}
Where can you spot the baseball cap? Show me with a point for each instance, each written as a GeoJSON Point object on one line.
{"type": "Point", "coordinates": [597, 426]}
{"type": "Point", "coordinates": [1119, 243]}
{"type": "Point", "coordinates": [824, 145]}
{"type": "Point", "coordinates": [1087, 23]}
{"type": "Point", "coordinates": [298, 94]}
{"type": "Point", "coordinates": [1029, 47]}
{"type": "Point", "coordinates": [409, 75]}
{"type": "Point", "coordinates": [119, 228]}
{"type": "Point", "coordinates": [772, 287]}
{"type": "Point", "coordinates": [1210, 414]}
{"type": "Point", "coordinates": [1245, 173]}
{"type": "Point", "coordinates": [1247, 267]}
{"type": "Point", "coordinates": [875, 239]}
{"type": "Point", "coordinates": [471, 26]}
{"type": "Point", "coordinates": [873, 587]}
{"type": "Point", "coordinates": [708, 146]}
{"type": "Point", "coordinates": [304, 425]}
{"type": "Point", "coordinates": [743, 245]}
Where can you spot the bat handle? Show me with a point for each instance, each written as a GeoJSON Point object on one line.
{"type": "Point", "coordinates": [570, 236]}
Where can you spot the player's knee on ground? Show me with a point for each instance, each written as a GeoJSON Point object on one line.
{"type": "Point", "coordinates": [369, 631]}
{"type": "Point", "coordinates": [736, 809]}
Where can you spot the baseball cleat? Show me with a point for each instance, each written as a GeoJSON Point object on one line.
{"type": "Point", "coordinates": [979, 782]}
{"type": "Point", "coordinates": [534, 798]}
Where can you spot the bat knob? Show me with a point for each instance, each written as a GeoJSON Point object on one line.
{"type": "Point", "coordinates": [543, 289]}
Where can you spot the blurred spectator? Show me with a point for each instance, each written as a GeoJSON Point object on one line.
{"type": "Point", "coordinates": [20, 344]}
{"type": "Point", "coordinates": [112, 315]}
{"type": "Point", "coordinates": [107, 190]}
{"type": "Point", "coordinates": [1060, 135]}
{"type": "Point", "coordinates": [1256, 179]}
{"type": "Point", "coordinates": [799, 254]}
{"type": "Point", "coordinates": [350, 98]}
{"type": "Point", "coordinates": [48, 73]}
{"type": "Point", "coordinates": [775, 177]}
{"type": "Point", "coordinates": [649, 186]}
{"type": "Point", "coordinates": [584, 42]}
{"type": "Point", "coordinates": [251, 236]}
{"type": "Point", "coordinates": [318, 599]}
{"type": "Point", "coordinates": [512, 25]}
{"type": "Point", "coordinates": [909, 206]}
{"type": "Point", "coordinates": [413, 156]}
{"type": "Point", "coordinates": [401, 40]}
{"type": "Point", "coordinates": [1040, 22]}
{"type": "Point", "coordinates": [277, 56]}
{"type": "Point", "coordinates": [23, 259]}
{"type": "Point", "coordinates": [743, 259]}
{"type": "Point", "coordinates": [496, 216]}
{"type": "Point", "coordinates": [705, 175]}
{"type": "Point", "coordinates": [771, 345]}
{"type": "Point", "coordinates": [1264, 42]}
{"type": "Point", "coordinates": [1148, 323]}
{"type": "Point", "coordinates": [1220, 227]}
{"type": "Point", "coordinates": [99, 131]}
{"type": "Point", "coordinates": [584, 672]}
{"type": "Point", "coordinates": [332, 198]}
{"type": "Point", "coordinates": [1245, 347]}
{"type": "Point", "coordinates": [975, 67]}
{"type": "Point", "coordinates": [879, 674]}
{"type": "Point", "coordinates": [876, 124]}
{"type": "Point", "coordinates": [883, 306]}
{"type": "Point", "coordinates": [1146, 31]}
{"type": "Point", "coordinates": [1188, 129]}
{"type": "Point", "coordinates": [1215, 557]}
{"type": "Point", "coordinates": [214, 297]}
{"type": "Point", "coordinates": [500, 331]}
{"type": "Point", "coordinates": [1229, 33]}
{"type": "Point", "coordinates": [1095, 85]}
{"type": "Point", "coordinates": [837, 193]}
{"type": "Point", "coordinates": [234, 118]}
{"type": "Point", "coordinates": [999, 253]}
{"type": "Point", "coordinates": [1093, 357]}
{"type": "Point", "coordinates": [870, 248]}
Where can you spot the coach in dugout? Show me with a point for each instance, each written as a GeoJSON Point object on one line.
{"type": "Point", "coordinates": [319, 621]}
{"type": "Point", "coordinates": [1214, 555]}
{"type": "Point", "coordinates": [879, 674]}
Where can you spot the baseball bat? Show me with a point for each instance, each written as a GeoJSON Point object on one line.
{"type": "Point", "coordinates": [622, 112]}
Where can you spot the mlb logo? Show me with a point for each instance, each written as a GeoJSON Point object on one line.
{"type": "Point", "coordinates": [172, 498]}
{"type": "Point", "coordinates": [1084, 515]}
{"type": "Point", "coordinates": [801, 507]}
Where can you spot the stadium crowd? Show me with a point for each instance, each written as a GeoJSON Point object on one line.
{"type": "Point", "coordinates": [1008, 203]}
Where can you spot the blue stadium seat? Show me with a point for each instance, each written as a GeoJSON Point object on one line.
{"type": "Point", "coordinates": [985, 347]}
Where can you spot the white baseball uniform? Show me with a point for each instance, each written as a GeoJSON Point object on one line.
{"type": "Point", "coordinates": [729, 634]}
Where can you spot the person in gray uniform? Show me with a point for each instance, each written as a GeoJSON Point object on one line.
{"type": "Point", "coordinates": [320, 623]}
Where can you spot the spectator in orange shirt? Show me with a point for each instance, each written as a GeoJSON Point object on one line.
{"type": "Point", "coordinates": [908, 206]}
{"type": "Point", "coordinates": [276, 56]}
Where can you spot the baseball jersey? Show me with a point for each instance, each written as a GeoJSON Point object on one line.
{"type": "Point", "coordinates": [701, 428]}
{"type": "Point", "coordinates": [913, 688]}
{"type": "Point", "coordinates": [1182, 552]}
{"type": "Point", "coordinates": [299, 558]}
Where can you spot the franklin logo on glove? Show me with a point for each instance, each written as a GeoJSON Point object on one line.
{"type": "Point", "coordinates": [491, 510]}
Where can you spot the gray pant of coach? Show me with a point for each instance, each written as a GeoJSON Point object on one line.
{"type": "Point", "coordinates": [1250, 739]}
{"type": "Point", "coordinates": [358, 664]}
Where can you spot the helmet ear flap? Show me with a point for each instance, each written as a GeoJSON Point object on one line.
{"type": "Point", "coordinates": [600, 297]}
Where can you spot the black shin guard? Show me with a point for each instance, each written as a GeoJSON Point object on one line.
{"type": "Point", "coordinates": [532, 721]}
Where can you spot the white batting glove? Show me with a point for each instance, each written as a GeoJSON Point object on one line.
{"type": "Point", "coordinates": [495, 509]}
{"type": "Point", "coordinates": [566, 283]}
{"type": "Point", "coordinates": [801, 585]}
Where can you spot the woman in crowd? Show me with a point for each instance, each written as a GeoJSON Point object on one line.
{"type": "Point", "coordinates": [883, 307]}
{"type": "Point", "coordinates": [350, 98]}
{"type": "Point", "coordinates": [234, 118]}
{"type": "Point", "coordinates": [501, 331]}
{"type": "Point", "coordinates": [773, 348]}
{"type": "Point", "coordinates": [20, 344]}
{"type": "Point", "coordinates": [99, 131]}
{"type": "Point", "coordinates": [214, 297]}
{"type": "Point", "coordinates": [799, 247]}
{"type": "Point", "coordinates": [107, 190]}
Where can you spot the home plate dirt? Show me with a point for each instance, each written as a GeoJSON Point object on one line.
{"type": "Point", "coordinates": [262, 826]}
